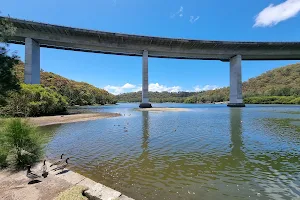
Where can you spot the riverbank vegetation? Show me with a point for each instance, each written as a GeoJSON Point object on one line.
{"type": "Point", "coordinates": [272, 100]}
{"type": "Point", "coordinates": [21, 145]}
{"type": "Point", "coordinates": [76, 93]}
{"type": "Point", "coordinates": [51, 97]}
{"type": "Point", "coordinates": [277, 86]}
{"type": "Point", "coordinates": [157, 97]}
{"type": "Point", "coordinates": [34, 100]}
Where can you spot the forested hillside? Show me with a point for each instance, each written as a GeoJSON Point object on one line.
{"type": "Point", "coordinates": [283, 81]}
{"type": "Point", "coordinates": [76, 93]}
{"type": "Point", "coordinates": [159, 97]}
{"type": "Point", "coordinates": [280, 85]}
{"type": "Point", "coordinates": [51, 97]}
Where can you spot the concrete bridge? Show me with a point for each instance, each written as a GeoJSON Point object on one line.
{"type": "Point", "coordinates": [35, 35]}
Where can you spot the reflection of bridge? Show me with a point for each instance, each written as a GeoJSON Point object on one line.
{"type": "Point", "coordinates": [235, 128]}
{"type": "Point", "coordinates": [35, 35]}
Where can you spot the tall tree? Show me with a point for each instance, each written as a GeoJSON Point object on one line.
{"type": "Point", "coordinates": [6, 29]}
{"type": "Point", "coordinates": [8, 79]}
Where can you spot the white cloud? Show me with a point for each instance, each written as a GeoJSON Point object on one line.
{"type": "Point", "coordinates": [153, 87]}
{"type": "Point", "coordinates": [273, 14]}
{"type": "Point", "coordinates": [156, 87]}
{"type": "Point", "coordinates": [128, 86]}
{"type": "Point", "coordinates": [193, 19]}
{"type": "Point", "coordinates": [119, 89]}
{"type": "Point", "coordinates": [198, 88]}
{"type": "Point", "coordinates": [137, 89]}
{"type": "Point", "coordinates": [178, 13]}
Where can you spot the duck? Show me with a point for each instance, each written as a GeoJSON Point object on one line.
{"type": "Point", "coordinates": [30, 174]}
{"type": "Point", "coordinates": [58, 161]}
{"type": "Point", "coordinates": [62, 166]}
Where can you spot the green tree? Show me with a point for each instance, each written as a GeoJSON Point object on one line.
{"type": "Point", "coordinates": [6, 29]}
{"type": "Point", "coordinates": [34, 100]}
{"type": "Point", "coordinates": [8, 79]}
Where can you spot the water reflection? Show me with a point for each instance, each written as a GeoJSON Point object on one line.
{"type": "Point", "coordinates": [219, 153]}
{"type": "Point", "coordinates": [236, 131]}
{"type": "Point", "coordinates": [145, 138]}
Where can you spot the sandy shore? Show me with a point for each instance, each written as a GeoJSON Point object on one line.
{"type": "Point", "coordinates": [163, 109]}
{"type": "Point", "coordinates": [63, 119]}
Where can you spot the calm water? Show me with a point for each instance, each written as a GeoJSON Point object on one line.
{"type": "Point", "coordinates": [210, 152]}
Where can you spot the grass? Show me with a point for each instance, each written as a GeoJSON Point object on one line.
{"type": "Point", "coordinates": [73, 193]}
{"type": "Point", "coordinates": [286, 123]}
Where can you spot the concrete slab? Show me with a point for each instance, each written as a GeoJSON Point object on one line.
{"type": "Point", "coordinates": [14, 186]}
{"type": "Point", "coordinates": [71, 177]}
{"type": "Point", "coordinates": [101, 192]}
{"type": "Point", "coordinates": [123, 197]}
{"type": "Point", "coordinates": [87, 183]}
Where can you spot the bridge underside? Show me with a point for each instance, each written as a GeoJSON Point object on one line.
{"type": "Point", "coordinates": [35, 35]}
{"type": "Point", "coordinates": [202, 51]}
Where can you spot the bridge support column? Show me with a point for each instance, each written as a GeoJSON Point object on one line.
{"type": "Point", "coordinates": [145, 98]}
{"type": "Point", "coordinates": [236, 98]}
{"type": "Point", "coordinates": [32, 62]}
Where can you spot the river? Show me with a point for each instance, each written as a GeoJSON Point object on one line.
{"type": "Point", "coordinates": [209, 152]}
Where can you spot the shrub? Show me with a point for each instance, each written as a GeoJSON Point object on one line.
{"type": "Point", "coordinates": [34, 100]}
{"type": "Point", "coordinates": [272, 100]}
{"type": "Point", "coordinates": [296, 101]}
{"type": "Point", "coordinates": [20, 144]}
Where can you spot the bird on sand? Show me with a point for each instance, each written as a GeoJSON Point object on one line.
{"type": "Point", "coordinates": [44, 170]}
{"type": "Point", "coordinates": [30, 174]}
{"type": "Point", "coordinates": [58, 161]}
{"type": "Point", "coordinates": [62, 166]}
{"type": "Point", "coordinates": [44, 167]}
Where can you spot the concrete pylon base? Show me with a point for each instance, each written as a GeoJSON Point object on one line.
{"type": "Point", "coordinates": [145, 105]}
{"type": "Point", "coordinates": [236, 105]}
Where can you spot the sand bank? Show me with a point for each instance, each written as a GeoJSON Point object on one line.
{"type": "Point", "coordinates": [63, 119]}
{"type": "Point", "coordinates": [163, 109]}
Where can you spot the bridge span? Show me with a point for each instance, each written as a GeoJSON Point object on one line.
{"type": "Point", "coordinates": [35, 35]}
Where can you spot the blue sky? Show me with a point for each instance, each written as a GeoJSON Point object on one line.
{"type": "Point", "coordinates": [267, 20]}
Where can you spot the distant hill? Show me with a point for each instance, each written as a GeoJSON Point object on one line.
{"type": "Point", "coordinates": [283, 81]}
{"type": "Point", "coordinates": [77, 93]}
{"type": "Point", "coordinates": [159, 97]}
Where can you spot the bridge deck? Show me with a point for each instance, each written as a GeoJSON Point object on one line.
{"type": "Point", "coordinates": [61, 37]}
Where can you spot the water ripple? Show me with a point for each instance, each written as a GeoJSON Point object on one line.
{"type": "Point", "coordinates": [212, 152]}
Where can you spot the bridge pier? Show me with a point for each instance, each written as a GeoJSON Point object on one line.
{"type": "Point", "coordinates": [236, 98]}
{"type": "Point", "coordinates": [32, 62]}
{"type": "Point", "coordinates": [145, 98]}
